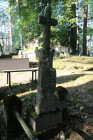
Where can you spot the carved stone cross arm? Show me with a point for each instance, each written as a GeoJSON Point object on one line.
{"type": "Point", "coordinates": [47, 21]}
{"type": "Point", "coordinates": [43, 20]}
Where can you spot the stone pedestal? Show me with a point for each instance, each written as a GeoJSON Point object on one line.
{"type": "Point", "coordinates": [45, 121]}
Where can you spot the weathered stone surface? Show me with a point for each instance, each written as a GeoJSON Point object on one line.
{"type": "Point", "coordinates": [45, 99]}
{"type": "Point", "coordinates": [46, 82]}
{"type": "Point", "coordinates": [47, 21]}
{"type": "Point", "coordinates": [45, 121]}
{"type": "Point", "coordinates": [46, 88]}
{"type": "Point", "coordinates": [46, 58]}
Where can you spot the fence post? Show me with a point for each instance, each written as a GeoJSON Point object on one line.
{"type": "Point", "coordinates": [13, 127]}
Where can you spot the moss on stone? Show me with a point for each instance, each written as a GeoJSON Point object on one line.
{"type": "Point", "coordinates": [31, 111]}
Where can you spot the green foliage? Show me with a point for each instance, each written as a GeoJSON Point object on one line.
{"type": "Point", "coordinates": [39, 47]}
{"type": "Point", "coordinates": [25, 16]}
{"type": "Point", "coordinates": [16, 38]}
{"type": "Point", "coordinates": [61, 56]}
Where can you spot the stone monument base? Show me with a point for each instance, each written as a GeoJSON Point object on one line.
{"type": "Point", "coordinates": [44, 121]}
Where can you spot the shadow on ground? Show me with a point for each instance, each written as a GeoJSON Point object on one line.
{"type": "Point", "coordinates": [84, 135]}
{"type": "Point", "coordinates": [17, 89]}
{"type": "Point", "coordinates": [83, 96]}
{"type": "Point", "coordinates": [73, 119]}
{"type": "Point", "coordinates": [67, 78]}
{"type": "Point", "coordinates": [72, 122]}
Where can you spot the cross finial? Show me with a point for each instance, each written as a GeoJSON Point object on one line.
{"type": "Point", "coordinates": [46, 2]}
{"type": "Point", "coordinates": [47, 21]}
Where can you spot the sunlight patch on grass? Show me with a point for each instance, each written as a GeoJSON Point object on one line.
{"type": "Point", "coordinates": [82, 59]}
{"type": "Point", "coordinates": [26, 93]}
{"type": "Point", "coordinates": [69, 66]}
{"type": "Point", "coordinates": [73, 63]}
{"type": "Point", "coordinates": [77, 82]}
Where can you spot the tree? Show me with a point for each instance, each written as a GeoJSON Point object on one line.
{"type": "Point", "coordinates": [25, 19]}
{"type": "Point", "coordinates": [28, 23]}
{"type": "Point", "coordinates": [90, 27]}
{"type": "Point", "coordinates": [73, 30]}
{"type": "Point", "coordinates": [66, 29]}
{"type": "Point", "coordinates": [77, 7]}
{"type": "Point", "coordinates": [11, 33]}
{"type": "Point", "coordinates": [3, 26]}
{"type": "Point", "coordinates": [85, 28]}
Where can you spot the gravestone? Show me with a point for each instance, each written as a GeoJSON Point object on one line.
{"type": "Point", "coordinates": [13, 64]}
{"type": "Point", "coordinates": [48, 107]}
{"type": "Point", "coordinates": [47, 75]}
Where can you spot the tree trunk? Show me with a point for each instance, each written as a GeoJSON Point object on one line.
{"type": "Point", "coordinates": [90, 45]}
{"type": "Point", "coordinates": [2, 46]}
{"type": "Point", "coordinates": [5, 42]}
{"type": "Point", "coordinates": [21, 38]}
{"type": "Point", "coordinates": [8, 49]}
{"type": "Point", "coordinates": [77, 29]}
{"type": "Point", "coordinates": [21, 42]}
{"type": "Point", "coordinates": [8, 36]}
{"type": "Point", "coordinates": [73, 32]}
{"type": "Point", "coordinates": [11, 35]}
{"type": "Point", "coordinates": [11, 28]}
{"type": "Point", "coordinates": [85, 30]}
{"type": "Point", "coordinates": [91, 38]}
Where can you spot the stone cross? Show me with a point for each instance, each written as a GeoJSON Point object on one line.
{"type": "Point", "coordinates": [48, 107]}
{"type": "Point", "coordinates": [47, 21]}
{"type": "Point", "coordinates": [47, 75]}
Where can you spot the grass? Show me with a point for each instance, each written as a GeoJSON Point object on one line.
{"type": "Point", "coordinates": [73, 63]}
{"type": "Point", "coordinates": [79, 83]}
{"type": "Point", "coordinates": [81, 59]}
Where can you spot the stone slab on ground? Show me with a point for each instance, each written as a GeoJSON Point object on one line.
{"type": "Point", "coordinates": [45, 121]}
{"type": "Point", "coordinates": [12, 64]}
